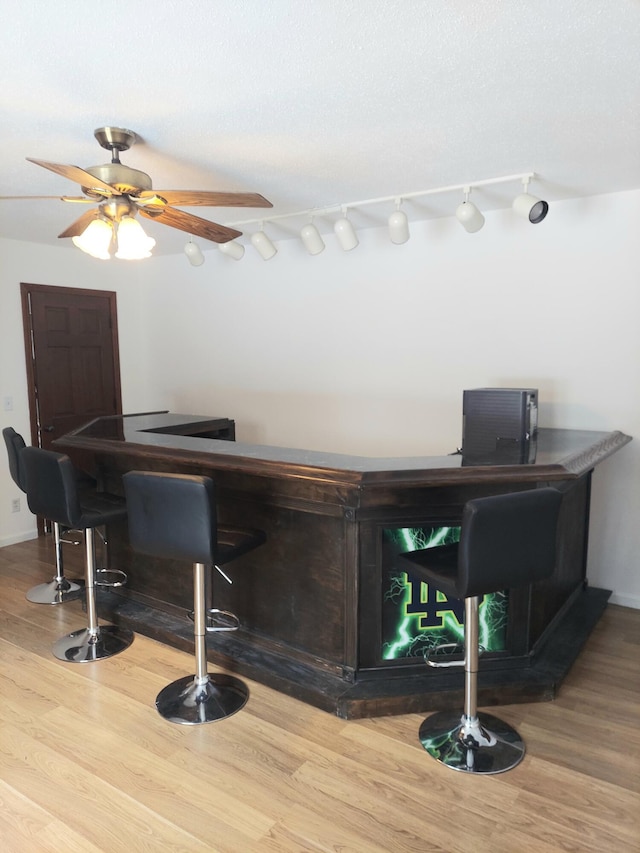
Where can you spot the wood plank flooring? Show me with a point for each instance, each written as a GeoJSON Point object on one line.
{"type": "Point", "coordinates": [88, 766]}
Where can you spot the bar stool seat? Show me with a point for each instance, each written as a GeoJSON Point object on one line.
{"type": "Point", "coordinates": [506, 541]}
{"type": "Point", "coordinates": [59, 589]}
{"type": "Point", "coordinates": [174, 516]}
{"type": "Point", "coordinates": [53, 493]}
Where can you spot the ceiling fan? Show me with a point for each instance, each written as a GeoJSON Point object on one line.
{"type": "Point", "coordinates": [123, 192]}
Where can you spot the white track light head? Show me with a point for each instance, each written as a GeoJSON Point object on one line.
{"type": "Point", "coordinates": [469, 217]}
{"type": "Point", "coordinates": [344, 232]}
{"type": "Point", "coordinates": [232, 249]}
{"type": "Point", "coordinates": [263, 245]}
{"type": "Point", "coordinates": [398, 225]}
{"type": "Point", "coordinates": [530, 207]}
{"type": "Point", "coordinates": [192, 251]}
{"type": "Point", "coordinates": [313, 242]}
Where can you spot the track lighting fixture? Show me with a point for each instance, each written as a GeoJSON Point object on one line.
{"type": "Point", "coordinates": [344, 232]}
{"type": "Point", "coordinates": [192, 251]}
{"type": "Point", "coordinates": [528, 206]}
{"type": "Point", "coordinates": [468, 214]}
{"type": "Point", "coordinates": [232, 249]}
{"type": "Point", "coordinates": [263, 244]}
{"type": "Point", "coordinates": [398, 225]}
{"type": "Point", "coordinates": [310, 236]}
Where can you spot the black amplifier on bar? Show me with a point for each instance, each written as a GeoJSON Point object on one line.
{"type": "Point", "coordinates": [499, 425]}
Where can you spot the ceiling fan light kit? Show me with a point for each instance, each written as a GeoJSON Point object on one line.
{"type": "Point", "coordinates": [133, 243]}
{"type": "Point", "coordinates": [96, 239]}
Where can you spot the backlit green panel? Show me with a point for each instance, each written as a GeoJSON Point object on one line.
{"type": "Point", "coordinates": [414, 616]}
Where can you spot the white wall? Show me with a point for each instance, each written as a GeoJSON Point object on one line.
{"type": "Point", "coordinates": [369, 351]}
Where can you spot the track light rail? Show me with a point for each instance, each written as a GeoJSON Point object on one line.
{"type": "Point", "coordinates": [322, 211]}
{"type": "Point", "coordinates": [467, 214]}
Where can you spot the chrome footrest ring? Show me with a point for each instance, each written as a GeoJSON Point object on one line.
{"type": "Point", "coordinates": [110, 577]}
{"type": "Point", "coordinates": [446, 653]}
{"type": "Point", "coordinates": [219, 620]}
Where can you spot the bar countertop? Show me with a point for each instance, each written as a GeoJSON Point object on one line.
{"type": "Point", "coordinates": [561, 453]}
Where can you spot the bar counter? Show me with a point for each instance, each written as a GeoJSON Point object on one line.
{"type": "Point", "coordinates": [325, 615]}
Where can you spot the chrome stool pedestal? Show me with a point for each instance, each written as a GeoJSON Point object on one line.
{"type": "Point", "coordinates": [483, 744]}
{"type": "Point", "coordinates": [189, 701]}
{"type": "Point", "coordinates": [96, 641]}
{"type": "Point", "coordinates": [474, 742]}
{"type": "Point", "coordinates": [203, 697]}
{"type": "Point", "coordinates": [60, 589]}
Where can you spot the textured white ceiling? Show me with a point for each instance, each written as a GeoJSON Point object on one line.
{"type": "Point", "coordinates": [315, 104]}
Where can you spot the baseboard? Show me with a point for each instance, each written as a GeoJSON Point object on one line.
{"type": "Point", "coordinates": [21, 537]}
{"type": "Point", "coordinates": [625, 600]}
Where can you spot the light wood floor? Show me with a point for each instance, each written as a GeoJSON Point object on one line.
{"type": "Point", "coordinates": [87, 764]}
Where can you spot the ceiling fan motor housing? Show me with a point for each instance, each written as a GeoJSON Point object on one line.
{"type": "Point", "coordinates": [123, 179]}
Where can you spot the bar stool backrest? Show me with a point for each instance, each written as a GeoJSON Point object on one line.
{"type": "Point", "coordinates": [15, 446]}
{"type": "Point", "coordinates": [172, 515]}
{"type": "Point", "coordinates": [51, 486]}
{"type": "Point", "coordinates": [507, 541]}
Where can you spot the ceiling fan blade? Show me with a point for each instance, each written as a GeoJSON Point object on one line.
{"type": "Point", "coordinates": [79, 199]}
{"type": "Point", "coordinates": [187, 198]}
{"type": "Point", "coordinates": [76, 174]}
{"type": "Point", "coordinates": [191, 224]}
{"type": "Point", "coordinates": [77, 227]}
{"type": "Point", "coordinates": [31, 197]}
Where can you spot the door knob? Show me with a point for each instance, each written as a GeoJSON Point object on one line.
{"type": "Point", "coordinates": [48, 429]}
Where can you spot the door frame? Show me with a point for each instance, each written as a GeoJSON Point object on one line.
{"type": "Point", "coordinates": [26, 290]}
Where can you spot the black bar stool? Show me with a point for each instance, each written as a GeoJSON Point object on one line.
{"type": "Point", "coordinates": [174, 516]}
{"type": "Point", "coordinates": [506, 541]}
{"type": "Point", "coordinates": [52, 493]}
{"type": "Point", "coordinates": [59, 589]}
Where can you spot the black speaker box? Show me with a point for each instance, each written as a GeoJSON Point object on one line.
{"type": "Point", "coordinates": [499, 425]}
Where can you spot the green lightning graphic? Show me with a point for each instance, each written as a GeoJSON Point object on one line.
{"type": "Point", "coordinates": [394, 650]}
{"type": "Point", "coordinates": [416, 618]}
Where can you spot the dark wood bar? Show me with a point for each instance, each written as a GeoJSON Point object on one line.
{"type": "Point", "coordinates": [324, 614]}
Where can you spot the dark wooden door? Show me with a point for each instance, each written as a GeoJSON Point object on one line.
{"type": "Point", "coordinates": [73, 367]}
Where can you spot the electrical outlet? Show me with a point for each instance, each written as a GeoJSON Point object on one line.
{"type": "Point", "coordinates": [7, 404]}
{"type": "Point", "coordinates": [15, 505]}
